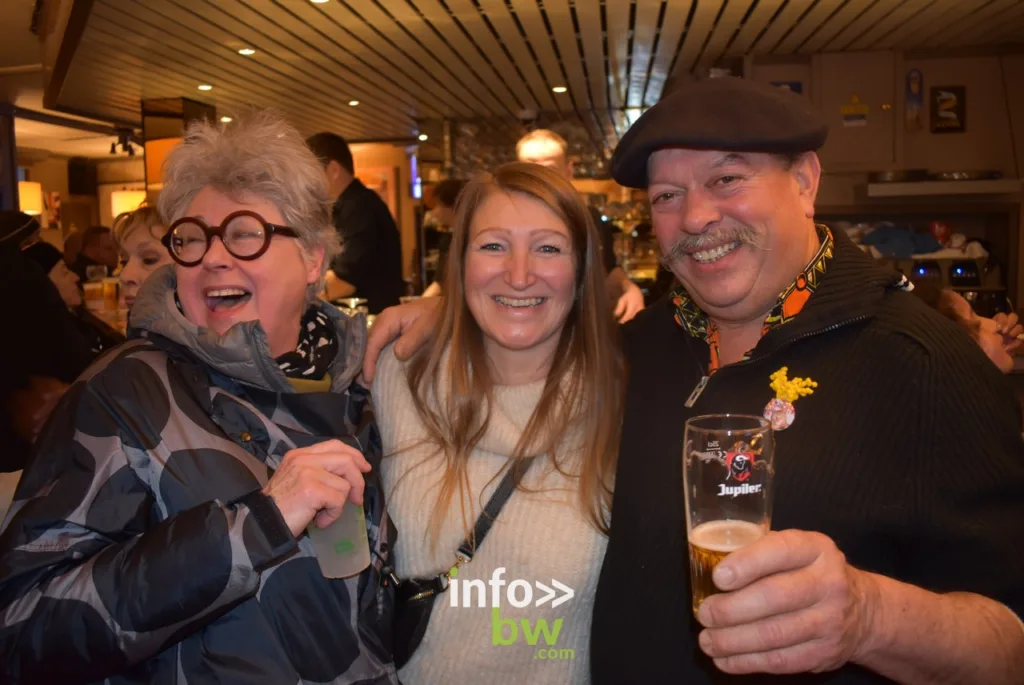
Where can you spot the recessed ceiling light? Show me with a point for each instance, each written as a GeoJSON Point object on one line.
{"type": "Point", "coordinates": [423, 136]}
{"type": "Point", "coordinates": [318, 2]}
{"type": "Point", "coordinates": [559, 89]}
{"type": "Point", "coordinates": [225, 120]}
{"type": "Point", "coordinates": [246, 52]}
{"type": "Point", "coordinates": [353, 103]}
{"type": "Point", "coordinates": [205, 86]}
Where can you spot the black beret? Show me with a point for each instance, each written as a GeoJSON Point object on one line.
{"type": "Point", "coordinates": [729, 114]}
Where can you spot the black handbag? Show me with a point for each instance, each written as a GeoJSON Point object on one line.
{"type": "Point", "coordinates": [414, 597]}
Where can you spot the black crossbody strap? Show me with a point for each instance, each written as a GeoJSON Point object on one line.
{"type": "Point", "coordinates": [505, 488]}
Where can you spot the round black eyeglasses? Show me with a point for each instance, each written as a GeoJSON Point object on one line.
{"type": "Point", "coordinates": [246, 235]}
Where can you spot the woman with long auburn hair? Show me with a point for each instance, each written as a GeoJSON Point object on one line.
{"type": "Point", "coordinates": [523, 374]}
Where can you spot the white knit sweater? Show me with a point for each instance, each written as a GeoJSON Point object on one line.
{"type": "Point", "coordinates": [538, 537]}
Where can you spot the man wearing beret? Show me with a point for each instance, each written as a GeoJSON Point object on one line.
{"type": "Point", "coordinates": [907, 457]}
{"type": "Point", "coordinates": [899, 482]}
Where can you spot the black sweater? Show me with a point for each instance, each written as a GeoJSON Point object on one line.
{"type": "Point", "coordinates": [908, 455]}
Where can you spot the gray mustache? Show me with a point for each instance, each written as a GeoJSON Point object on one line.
{"type": "Point", "coordinates": [694, 243]}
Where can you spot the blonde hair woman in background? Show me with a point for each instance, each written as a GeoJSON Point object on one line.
{"type": "Point", "coordinates": [523, 365]}
{"type": "Point", "coordinates": [138, 234]}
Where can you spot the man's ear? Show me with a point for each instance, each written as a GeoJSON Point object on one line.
{"type": "Point", "coordinates": [807, 171]}
{"type": "Point", "coordinates": [333, 170]}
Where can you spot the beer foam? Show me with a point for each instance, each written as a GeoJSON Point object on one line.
{"type": "Point", "coordinates": [726, 536]}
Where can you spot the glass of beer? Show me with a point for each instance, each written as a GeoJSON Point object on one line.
{"type": "Point", "coordinates": [727, 480]}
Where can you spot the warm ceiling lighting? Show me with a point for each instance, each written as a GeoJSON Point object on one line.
{"type": "Point", "coordinates": [246, 52]}
{"type": "Point", "coordinates": [559, 89]}
{"type": "Point", "coordinates": [353, 103]}
{"type": "Point", "coordinates": [205, 86]}
{"type": "Point", "coordinates": [30, 197]}
{"type": "Point", "coordinates": [318, 2]}
{"type": "Point", "coordinates": [225, 120]}
{"type": "Point", "coordinates": [423, 136]}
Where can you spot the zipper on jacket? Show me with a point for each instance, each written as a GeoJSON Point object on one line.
{"type": "Point", "coordinates": [706, 380]}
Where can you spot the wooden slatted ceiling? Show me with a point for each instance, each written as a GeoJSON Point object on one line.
{"type": "Point", "coordinates": [645, 29]}
{"type": "Point", "coordinates": [810, 22]}
{"type": "Point", "coordinates": [531, 23]}
{"type": "Point", "coordinates": [410, 62]}
{"type": "Point", "coordinates": [984, 19]}
{"type": "Point", "coordinates": [475, 24]}
{"type": "Point", "coordinates": [560, 18]}
{"type": "Point", "coordinates": [452, 50]}
{"type": "Point", "coordinates": [588, 16]}
{"type": "Point", "coordinates": [616, 26]}
{"type": "Point", "coordinates": [757, 22]}
{"type": "Point", "coordinates": [831, 27]}
{"type": "Point", "coordinates": [927, 24]}
{"type": "Point", "coordinates": [671, 31]}
{"type": "Point", "coordinates": [508, 33]}
{"type": "Point", "coordinates": [145, 39]}
{"type": "Point", "coordinates": [725, 30]}
{"type": "Point", "coordinates": [1004, 20]}
{"type": "Point", "coordinates": [783, 22]}
{"type": "Point", "coordinates": [702, 22]}
{"type": "Point", "coordinates": [896, 18]}
{"type": "Point", "coordinates": [276, 63]}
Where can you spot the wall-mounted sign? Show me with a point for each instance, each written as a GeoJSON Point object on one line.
{"type": "Point", "coordinates": [914, 110]}
{"type": "Point", "coordinates": [855, 114]}
{"type": "Point", "coordinates": [949, 109]}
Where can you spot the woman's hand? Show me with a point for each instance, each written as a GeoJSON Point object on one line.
{"type": "Point", "coordinates": [315, 482]}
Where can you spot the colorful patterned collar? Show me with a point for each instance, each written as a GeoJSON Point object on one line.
{"type": "Point", "coordinates": [790, 302]}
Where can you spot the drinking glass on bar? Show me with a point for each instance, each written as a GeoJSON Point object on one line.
{"type": "Point", "coordinates": [727, 480]}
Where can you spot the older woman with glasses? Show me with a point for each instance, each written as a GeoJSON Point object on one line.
{"type": "Point", "coordinates": [159, 535]}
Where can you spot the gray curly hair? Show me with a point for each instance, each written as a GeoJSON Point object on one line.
{"type": "Point", "coordinates": [260, 153]}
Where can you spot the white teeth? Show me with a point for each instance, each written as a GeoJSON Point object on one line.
{"type": "Point", "coordinates": [523, 302]}
{"type": "Point", "coordinates": [715, 253]}
{"type": "Point", "coordinates": [226, 292]}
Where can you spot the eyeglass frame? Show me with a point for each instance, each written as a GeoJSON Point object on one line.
{"type": "Point", "coordinates": [211, 232]}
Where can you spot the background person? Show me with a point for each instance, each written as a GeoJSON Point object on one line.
{"type": "Point", "coordinates": [997, 337]}
{"type": "Point", "coordinates": [97, 333]}
{"type": "Point", "coordinates": [97, 249]}
{"type": "Point", "coordinates": [138, 235]}
{"type": "Point", "coordinates": [446, 193]}
{"type": "Point", "coordinates": [48, 352]}
{"type": "Point", "coordinates": [370, 262]}
{"type": "Point", "coordinates": [176, 479]}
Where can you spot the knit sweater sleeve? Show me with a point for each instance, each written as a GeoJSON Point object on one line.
{"type": "Point", "coordinates": [391, 395]}
{"type": "Point", "coordinates": [968, 478]}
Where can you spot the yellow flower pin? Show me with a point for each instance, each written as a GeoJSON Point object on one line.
{"type": "Point", "coordinates": [780, 411]}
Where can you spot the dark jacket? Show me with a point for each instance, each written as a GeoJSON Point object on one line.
{"type": "Point", "coordinates": [138, 543]}
{"type": "Point", "coordinates": [908, 455]}
{"type": "Point", "coordinates": [100, 336]}
{"type": "Point", "coordinates": [42, 338]}
{"type": "Point", "coordinates": [371, 249]}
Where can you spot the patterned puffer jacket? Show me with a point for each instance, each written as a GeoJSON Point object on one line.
{"type": "Point", "coordinates": [138, 550]}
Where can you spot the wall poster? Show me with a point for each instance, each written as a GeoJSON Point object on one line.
{"type": "Point", "coordinates": [949, 109]}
